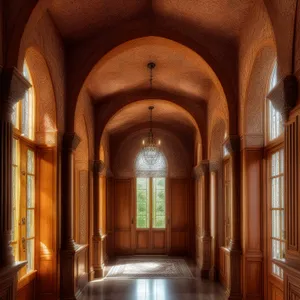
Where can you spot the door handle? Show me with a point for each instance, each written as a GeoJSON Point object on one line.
{"type": "Point", "coordinates": [132, 220]}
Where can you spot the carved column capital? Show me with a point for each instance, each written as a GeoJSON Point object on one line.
{"type": "Point", "coordinates": [98, 166]}
{"type": "Point", "coordinates": [201, 169]}
{"type": "Point", "coordinates": [13, 88]}
{"type": "Point", "coordinates": [232, 144]}
{"type": "Point", "coordinates": [70, 141]}
{"type": "Point", "coordinates": [284, 95]}
{"type": "Point", "coordinates": [215, 166]}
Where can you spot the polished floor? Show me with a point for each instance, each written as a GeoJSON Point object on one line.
{"type": "Point", "coordinates": [153, 289]}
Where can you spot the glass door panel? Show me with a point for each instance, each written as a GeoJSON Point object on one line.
{"type": "Point", "coordinates": [150, 215]}
{"type": "Point", "coordinates": [159, 203]}
{"type": "Point", "coordinates": [142, 203]}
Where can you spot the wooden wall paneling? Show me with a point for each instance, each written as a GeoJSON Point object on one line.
{"type": "Point", "coordinates": [81, 270]}
{"type": "Point", "coordinates": [110, 217]}
{"type": "Point", "coordinates": [252, 225]}
{"type": "Point", "coordinates": [179, 216]}
{"type": "Point", "coordinates": [122, 216]}
{"type": "Point", "coordinates": [292, 181]}
{"type": "Point", "coordinates": [46, 224]}
{"type": "Point", "coordinates": [159, 241]}
{"type": "Point", "coordinates": [27, 290]}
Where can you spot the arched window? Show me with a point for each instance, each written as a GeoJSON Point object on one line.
{"type": "Point", "coordinates": [151, 193]}
{"type": "Point", "coordinates": [159, 169]}
{"type": "Point", "coordinates": [275, 124]}
{"type": "Point", "coordinates": [276, 230]}
{"type": "Point", "coordinates": [23, 179]}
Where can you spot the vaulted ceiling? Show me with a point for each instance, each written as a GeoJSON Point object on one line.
{"type": "Point", "coordinates": [77, 19]}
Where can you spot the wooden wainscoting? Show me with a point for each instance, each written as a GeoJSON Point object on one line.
{"type": "Point", "coordinates": [122, 238]}
{"type": "Point", "coordinates": [179, 216]}
{"type": "Point", "coordinates": [122, 216]}
{"type": "Point", "coordinates": [81, 270]}
{"type": "Point", "coordinates": [224, 266]}
{"type": "Point", "coordinates": [27, 287]}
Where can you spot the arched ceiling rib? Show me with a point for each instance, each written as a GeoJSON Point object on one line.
{"type": "Point", "coordinates": [125, 68]}
{"type": "Point", "coordinates": [77, 19]}
{"type": "Point", "coordinates": [165, 113]}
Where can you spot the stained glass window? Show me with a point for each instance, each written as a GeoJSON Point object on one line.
{"type": "Point", "coordinates": [275, 118]}
{"type": "Point", "coordinates": [277, 209]}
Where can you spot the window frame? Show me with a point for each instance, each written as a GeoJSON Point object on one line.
{"type": "Point", "coordinates": [269, 152]}
{"type": "Point", "coordinates": [24, 144]}
{"type": "Point", "coordinates": [151, 203]}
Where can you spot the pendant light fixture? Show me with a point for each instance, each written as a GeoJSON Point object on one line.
{"type": "Point", "coordinates": [150, 148]}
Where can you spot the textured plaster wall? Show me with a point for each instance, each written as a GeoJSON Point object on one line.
{"type": "Point", "coordinates": [44, 98]}
{"type": "Point", "coordinates": [178, 154]}
{"type": "Point", "coordinates": [256, 34]}
{"type": "Point", "coordinates": [217, 112]}
{"type": "Point", "coordinates": [41, 34]}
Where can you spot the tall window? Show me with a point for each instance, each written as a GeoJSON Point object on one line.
{"type": "Point", "coordinates": [151, 193]}
{"type": "Point", "coordinates": [275, 128]}
{"type": "Point", "coordinates": [276, 232]}
{"type": "Point", "coordinates": [277, 208]}
{"type": "Point", "coordinates": [23, 179]}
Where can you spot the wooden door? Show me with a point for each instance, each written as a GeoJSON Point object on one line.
{"type": "Point", "coordinates": [123, 216]}
{"type": "Point", "coordinates": [179, 219]}
{"type": "Point", "coordinates": [150, 216]}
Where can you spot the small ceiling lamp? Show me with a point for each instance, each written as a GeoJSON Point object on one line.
{"type": "Point", "coordinates": [150, 149]}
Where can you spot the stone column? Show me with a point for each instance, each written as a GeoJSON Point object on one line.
{"type": "Point", "coordinates": [68, 246]}
{"type": "Point", "coordinates": [12, 87]}
{"type": "Point", "coordinates": [214, 168]}
{"type": "Point", "coordinates": [205, 256]}
{"type": "Point", "coordinates": [234, 290]}
{"type": "Point", "coordinates": [97, 242]}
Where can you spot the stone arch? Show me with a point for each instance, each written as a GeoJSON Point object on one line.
{"type": "Point", "coordinates": [46, 112]}
{"type": "Point", "coordinates": [257, 89]}
{"type": "Point", "coordinates": [190, 52]}
{"type": "Point", "coordinates": [101, 140]}
{"type": "Point", "coordinates": [179, 162]}
{"type": "Point", "coordinates": [217, 139]}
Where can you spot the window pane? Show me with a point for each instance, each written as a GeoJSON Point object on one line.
{"type": "Point", "coordinates": [275, 122]}
{"type": "Point", "coordinates": [30, 223]}
{"type": "Point", "coordinates": [142, 202]}
{"type": "Point", "coordinates": [14, 115]}
{"type": "Point", "coordinates": [30, 162]}
{"type": "Point", "coordinates": [15, 185]}
{"type": "Point", "coordinates": [27, 107]}
{"type": "Point", "coordinates": [30, 255]}
{"type": "Point", "coordinates": [25, 115]}
{"type": "Point", "coordinates": [159, 203]}
{"type": "Point", "coordinates": [276, 230]}
{"type": "Point", "coordinates": [277, 209]}
{"type": "Point", "coordinates": [30, 191]}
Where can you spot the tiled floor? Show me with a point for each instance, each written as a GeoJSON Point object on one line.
{"type": "Point", "coordinates": [153, 289]}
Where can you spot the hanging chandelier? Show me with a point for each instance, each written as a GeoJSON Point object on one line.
{"type": "Point", "coordinates": [150, 150]}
